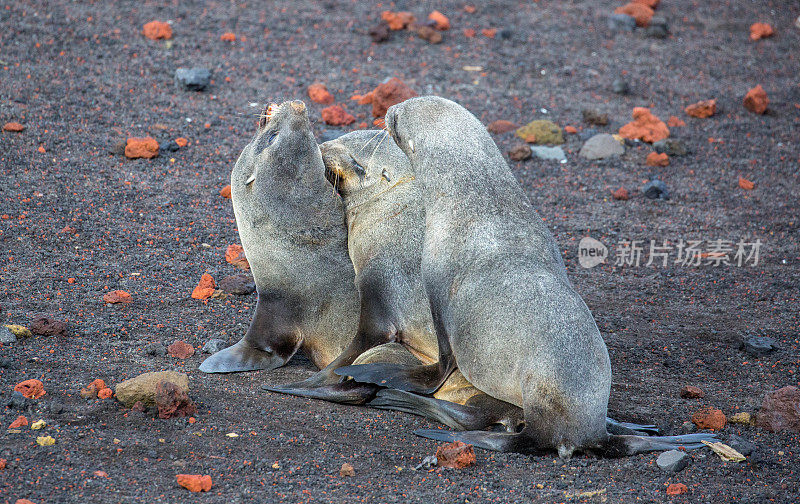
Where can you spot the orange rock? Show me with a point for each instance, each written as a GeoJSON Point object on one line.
{"type": "Point", "coordinates": [656, 159]}
{"type": "Point", "coordinates": [570, 129]}
{"type": "Point", "coordinates": [746, 184]}
{"type": "Point", "coordinates": [692, 392]}
{"type": "Point", "coordinates": [32, 389]}
{"type": "Point", "coordinates": [117, 296]}
{"type": "Point", "coordinates": [2, 463]}
{"type": "Point", "coordinates": [337, 116]}
{"type": "Point", "coordinates": [709, 418]}
{"type": "Point", "coordinates": [387, 94]}
{"type": "Point", "coordinates": [182, 142]}
{"type": "Point", "coordinates": [205, 288]}
{"type": "Point", "coordinates": [180, 350]}
{"type": "Point", "coordinates": [645, 126]}
{"type": "Point", "coordinates": [195, 482]}
{"type": "Point", "coordinates": [319, 94]}
{"type": "Point", "coordinates": [501, 126]}
{"type": "Point", "coordinates": [225, 192]}
{"type": "Point", "coordinates": [756, 100]}
{"type": "Point", "coordinates": [456, 455]}
{"type": "Point", "coordinates": [23, 501]}
{"type": "Point", "coordinates": [14, 127]}
{"type": "Point", "coordinates": [674, 122]}
{"type": "Point", "coordinates": [650, 3]}
{"type": "Point", "coordinates": [470, 9]}
{"type": "Point", "coordinates": [702, 109]}
{"type": "Point", "coordinates": [621, 194]}
{"type": "Point", "coordinates": [235, 255]}
{"type": "Point", "coordinates": [89, 392]}
{"type": "Point", "coordinates": [21, 421]}
{"type": "Point", "coordinates": [442, 22]}
{"type": "Point", "coordinates": [677, 489]}
{"type": "Point", "coordinates": [141, 148]}
{"type": "Point", "coordinates": [760, 30]}
{"type": "Point", "coordinates": [41, 149]}
{"type": "Point", "coordinates": [228, 37]}
{"type": "Point", "coordinates": [99, 384]}
{"type": "Point", "coordinates": [105, 393]}
{"type": "Point", "coordinates": [469, 32]}
{"type": "Point", "coordinates": [640, 12]}
{"type": "Point", "coordinates": [398, 20]}
{"type": "Point", "coordinates": [347, 471]}
{"type": "Point", "coordinates": [155, 30]}
{"type": "Point", "coordinates": [489, 32]}
{"type": "Point", "coordinates": [100, 474]}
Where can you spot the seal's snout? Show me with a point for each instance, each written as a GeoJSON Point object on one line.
{"type": "Point", "coordinates": [298, 106]}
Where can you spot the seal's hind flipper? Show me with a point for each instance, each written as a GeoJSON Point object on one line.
{"type": "Point", "coordinates": [241, 357]}
{"type": "Point", "coordinates": [451, 414]}
{"type": "Point", "coordinates": [623, 446]}
{"type": "Point", "coordinates": [616, 427]}
{"type": "Point", "coordinates": [348, 392]}
{"type": "Point", "coordinates": [496, 441]}
{"type": "Point", "coordinates": [419, 379]}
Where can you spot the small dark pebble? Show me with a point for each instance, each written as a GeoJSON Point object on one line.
{"type": "Point", "coordinates": [741, 445]}
{"type": "Point", "coordinates": [241, 284]}
{"type": "Point", "coordinates": [214, 345]}
{"type": "Point", "coordinates": [56, 407]}
{"type": "Point", "coordinates": [670, 147]}
{"type": "Point", "coordinates": [192, 79]}
{"type": "Point", "coordinates": [118, 148]}
{"type": "Point", "coordinates": [7, 363]}
{"type": "Point", "coordinates": [19, 402]}
{"type": "Point", "coordinates": [155, 349]}
{"type": "Point", "coordinates": [656, 189]}
{"type": "Point", "coordinates": [379, 33]}
{"type": "Point", "coordinates": [170, 146]}
{"type": "Point", "coordinates": [620, 86]}
{"type": "Point", "coordinates": [758, 345]}
{"type": "Point", "coordinates": [658, 28]}
{"type": "Point", "coordinates": [621, 22]}
{"type": "Point", "coordinates": [594, 117]}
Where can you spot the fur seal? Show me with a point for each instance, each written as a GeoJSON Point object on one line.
{"type": "Point", "coordinates": [504, 311]}
{"type": "Point", "coordinates": [293, 233]}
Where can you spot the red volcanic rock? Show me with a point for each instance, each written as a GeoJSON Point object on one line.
{"type": "Point", "coordinates": [692, 392]}
{"type": "Point", "coordinates": [155, 30]}
{"type": "Point", "coordinates": [469, 32]}
{"type": "Point", "coordinates": [180, 350]}
{"type": "Point", "coordinates": [570, 129]}
{"type": "Point", "coordinates": [442, 22]}
{"type": "Point", "coordinates": [638, 11]}
{"type": "Point", "coordinates": [621, 194]}
{"type": "Point", "coordinates": [398, 20]}
{"type": "Point", "coordinates": [489, 32]}
{"type": "Point", "coordinates": [21, 421]}
{"type": "Point", "coordinates": [173, 402]}
{"type": "Point", "coordinates": [760, 30]}
{"type": "Point", "coordinates": [195, 482]}
{"type": "Point", "coordinates": [456, 455]}
{"type": "Point", "coordinates": [141, 148]}
{"type": "Point", "coordinates": [656, 159]}
{"type": "Point", "coordinates": [13, 127]}
{"type": "Point", "coordinates": [228, 37]}
{"type": "Point", "coordinates": [46, 326]}
{"type": "Point", "coordinates": [387, 94]}
{"type": "Point", "coordinates": [235, 255]}
{"type": "Point", "coordinates": [117, 296]}
{"type": "Point", "coordinates": [2, 463]}
{"type": "Point", "coordinates": [32, 389]}
{"type": "Point", "coordinates": [182, 142]}
{"type": "Point", "coordinates": [205, 288]}
{"type": "Point", "coordinates": [650, 3]}
{"type": "Point", "coordinates": [702, 109]}
{"type": "Point", "coordinates": [336, 116]}
{"type": "Point", "coordinates": [746, 184]}
{"type": "Point", "coordinates": [105, 393]}
{"type": "Point", "coordinates": [501, 126]}
{"type": "Point", "coordinates": [709, 418]}
{"type": "Point", "coordinates": [320, 94]}
{"type": "Point", "coordinates": [780, 410]}
{"type": "Point", "coordinates": [225, 192]}
{"type": "Point", "coordinates": [645, 126]}
{"type": "Point", "coordinates": [677, 489]}
{"type": "Point", "coordinates": [674, 122]}
{"type": "Point", "coordinates": [756, 100]}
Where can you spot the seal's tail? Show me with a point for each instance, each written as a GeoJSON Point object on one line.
{"type": "Point", "coordinates": [242, 357]}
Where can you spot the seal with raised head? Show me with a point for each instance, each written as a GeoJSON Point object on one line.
{"type": "Point", "coordinates": [504, 311]}
{"type": "Point", "coordinates": [293, 233]}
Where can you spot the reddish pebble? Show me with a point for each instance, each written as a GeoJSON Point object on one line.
{"type": "Point", "coordinates": [13, 127]}
{"type": "Point", "coordinates": [387, 94]}
{"type": "Point", "coordinates": [105, 393]}
{"type": "Point", "coordinates": [677, 489]}
{"type": "Point", "coordinates": [2, 464]}
{"type": "Point", "coordinates": [180, 350]}
{"type": "Point", "coordinates": [192, 420]}
{"type": "Point", "coordinates": [756, 100]}
{"type": "Point", "coordinates": [141, 148]}
{"type": "Point", "coordinates": [195, 482]}
{"type": "Point", "coordinates": [337, 116]}
{"type": "Point", "coordinates": [100, 474]}
{"type": "Point", "coordinates": [32, 389]}
{"type": "Point", "coordinates": [398, 20]}
{"type": "Point", "coordinates": [760, 30]}
{"type": "Point", "coordinates": [21, 421]}
{"type": "Point", "coordinates": [172, 402]}
{"type": "Point", "coordinates": [692, 392]}
{"type": "Point", "coordinates": [228, 37]}
{"type": "Point", "coordinates": [501, 126]}
{"type": "Point", "coordinates": [117, 296]}
{"type": "Point", "coordinates": [621, 194]}
{"type": "Point", "coordinates": [709, 418]}
{"type": "Point", "coordinates": [571, 129]}
{"type": "Point", "coordinates": [456, 455]}
{"type": "Point", "coordinates": [674, 122]}
{"type": "Point", "coordinates": [746, 184]}
{"type": "Point", "coordinates": [46, 326]}
{"type": "Point", "coordinates": [645, 126]}
{"type": "Point", "coordinates": [225, 192]}
{"type": "Point", "coordinates": [347, 471]}
{"type": "Point", "coordinates": [205, 287]}
{"type": "Point", "coordinates": [442, 22]}
{"type": "Point", "coordinates": [469, 32]}
{"type": "Point", "coordinates": [24, 501]}
{"type": "Point", "coordinates": [470, 9]}
{"type": "Point", "coordinates": [640, 12]}
{"type": "Point", "coordinates": [702, 109]}
{"type": "Point", "coordinates": [41, 149]}
{"type": "Point", "coordinates": [656, 159]}
{"type": "Point", "coordinates": [650, 3]}
{"type": "Point", "coordinates": [182, 142]}
{"type": "Point", "coordinates": [235, 255]}
{"type": "Point", "coordinates": [489, 32]}
{"type": "Point", "coordinates": [320, 94]}
{"type": "Point", "coordinates": [155, 30]}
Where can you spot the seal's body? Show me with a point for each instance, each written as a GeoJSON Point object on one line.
{"type": "Point", "coordinates": [293, 233]}
{"type": "Point", "coordinates": [504, 310]}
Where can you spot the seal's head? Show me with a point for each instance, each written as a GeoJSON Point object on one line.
{"type": "Point", "coordinates": [405, 121]}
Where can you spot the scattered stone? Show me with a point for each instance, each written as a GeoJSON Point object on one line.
{"type": "Point", "coordinates": [146, 148]}
{"type": "Point", "coordinates": [13, 127]}
{"type": "Point", "coordinates": [180, 350]}
{"type": "Point", "coordinates": [670, 147]}
{"type": "Point", "coordinates": [746, 184]}
{"type": "Point", "coordinates": [688, 427]}
{"type": "Point", "coordinates": [709, 418]}
{"type": "Point", "coordinates": [143, 387]}
{"type": "Point", "coordinates": [45, 326]}
{"type": "Point", "coordinates": [38, 425]}
{"type": "Point", "coordinates": [214, 345]}
{"type": "Point", "coordinates": [319, 93]}
{"type": "Point", "coordinates": [594, 117]}
{"type": "Point", "coordinates": [621, 194]}
{"type": "Point", "coordinates": [6, 336]}
{"type": "Point", "coordinates": [19, 331]}
{"type": "Point", "coordinates": [677, 489]}
{"type": "Point", "coordinates": [572, 130]}
{"type": "Point", "coordinates": [45, 441]}
{"type": "Point", "coordinates": [441, 22]}
{"type": "Point", "coordinates": [181, 142]}
{"type": "Point", "coordinates": [117, 296]}
{"type": "Point", "coordinates": [756, 100]}
{"type": "Point", "coordinates": [656, 189]}
{"type": "Point", "coordinates": [427, 463]}
{"type": "Point", "coordinates": [601, 146]}
{"type": "Point", "coordinates": [456, 455]}
{"type": "Point", "coordinates": [673, 461]}
{"type": "Point", "coordinates": [656, 159]}
{"type": "Point", "coordinates": [541, 132]}
{"type": "Point", "coordinates": [520, 153]}
{"type": "Point", "coordinates": [758, 345]}
{"type": "Point", "coordinates": [742, 445]}
{"type": "Point", "coordinates": [172, 401]}
{"type": "Point", "coordinates": [742, 417]}
{"type": "Point", "coordinates": [225, 192]}
{"type": "Point", "coordinates": [549, 153]}
{"type": "Point", "coordinates": [645, 126]}
{"type": "Point", "coordinates": [19, 401]}
{"type": "Point", "coordinates": [105, 393]}
{"type": "Point", "coordinates": [621, 22]}
{"type": "Point", "coordinates": [56, 407]}
{"type": "Point", "coordinates": [193, 79]}
{"type": "Point", "coordinates": [489, 32]}
{"type": "Point", "coordinates": [156, 30]}
{"type": "Point", "coordinates": [501, 126]}
{"type": "Point", "coordinates": [347, 471]}
{"type": "Point", "coordinates": [620, 86]}
{"type": "Point", "coordinates": [240, 285]}
{"type": "Point", "coordinates": [3, 463]}
{"type": "Point", "coordinates": [234, 254]}
{"type": "Point", "coordinates": [702, 109]}
{"type": "Point", "coordinates": [170, 146]}
{"type": "Point", "coordinates": [692, 392]}
{"type": "Point", "coordinates": [780, 410]}
{"type": "Point", "coordinates": [658, 28]}
{"type": "Point", "coordinates": [398, 20]}
{"type": "Point", "coordinates": [21, 421]}
{"type": "Point", "coordinates": [205, 287]}
{"type": "Point", "coordinates": [335, 115]}
{"type": "Point", "coordinates": [427, 33]}
{"type": "Point", "coordinates": [155, 349]}
{"type": "Point", "coordinates": [640, 12]}
{"type": "Point", "coordinates": [386, 94]}
{"type": "Point", "coordinates": [380, 32]}
{"type": "Point", "coordinates": [675, 122]}
{"type": "Point", "coordinates": [760, 30]}
{"type": "Point", "coordinates": [725, 452]}
{"type": "Point", "coordinates": [117, 148]}
{"type": "Point", "coordinates": [228, 37]}
{"type": "Point", "coordinates": [32, 389]}
{"type": "Point", "coordinates": [195, 482]}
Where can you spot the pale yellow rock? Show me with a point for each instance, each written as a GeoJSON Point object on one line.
{"type": "Point", "coordinates": [725, 452]}
{"type": "Point", "coordinates": [19, 331]}
{"type": "Point", "coordinates": [45, 440]}
{"type": "Point", "coordinates": [741, 418]}
{"type": "Point", "coordinates": [39, 424]}
{"type": "Point", "coordinates": [143, 387]}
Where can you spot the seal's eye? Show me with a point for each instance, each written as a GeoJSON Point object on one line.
{"type": "Point", "coordinates": [357, 167]}
{"type": "Point", "coordinates": [385, 174]}
{"type": "Point", "coordinates": [271, 137]}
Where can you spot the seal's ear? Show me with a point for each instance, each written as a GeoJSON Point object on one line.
{"type": "Point", "coordinates": [265, 116]}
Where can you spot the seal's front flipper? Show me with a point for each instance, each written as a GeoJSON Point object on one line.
{"type": "Point", "coordinates": [419, 379]}
{"type": "Point", "coordinates": [242, 357]}
{"type": "Point", "coordinates": [348, 392]}
{"type": "Point", "coordinates": [496, 441]}
{"type": "Point", "coordinates": [455, 416]}
{"type": "Point", "coordinates": [615, 427]}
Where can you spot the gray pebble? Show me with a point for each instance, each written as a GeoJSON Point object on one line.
{"type": "Point", "coordinates": [19, 401]}
{"type": "Point", "coordinates": [155, 349]}
{"type": "Point", "coordinates": [549, 153]}
{"type": "Point", "coordinates": [741, 445]}
{"type": "Point", "coordinates": [213, 346]}
{"type": "Point", "coordinates": [688, 427]}
{"type": "Point", "coordinates": [670, 147]}
{"type": "Point", "coordinates": [56, 407]}
{"type": "Point", "coordinates": [673, 461]}
{"type": "Point", "coordinates": [7, 336]}
{"type": "Point", "coordinates": [620, 86]}
{"type": "Point", "coordinates": [758, 345]}
{"type": "Point", "coordinates": [656, 189]}
{"type": "Point", "coordinates": [658, 28]}
{"type": "Point", "coordinates": [192, 79]}
{"type": "Point", "coordinates": [601, 146]}
{"type": "Point", "coordinates": [621, 22]}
